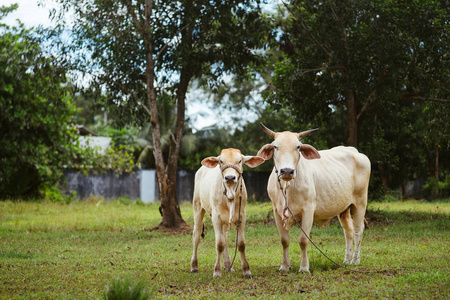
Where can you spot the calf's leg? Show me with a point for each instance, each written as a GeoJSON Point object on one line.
{"type": "Point", "coordinates": [241, 246]}
{"type": "Point", "coordinates": [199, 213]}
{"type": "Point", "coordinates": [226, 256]}
{"type": "Point", "coordinates": [220, 244]}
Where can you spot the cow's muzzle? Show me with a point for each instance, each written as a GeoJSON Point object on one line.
{"type": "Point", "coordinates": [286, 174]}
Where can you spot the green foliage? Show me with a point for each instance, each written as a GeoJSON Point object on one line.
{"type": "Point", "coordinates": [118, 159]}
{"type": "Point", "coordinates": [390, 57]}
{"type": "Point", "coordinates": [443, 185]}
{"type": "Point", "coordinates": [53, 193]}
{"type": "Point", "coordinates": [208, 141]}
{"type": "Point", "coordinates": [36, 111]}
{"type": "Point", "coordinates": [127, 289]}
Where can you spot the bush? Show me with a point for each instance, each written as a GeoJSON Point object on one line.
{"type": "Point", "coordinates": [36, 111]}
{"type": "Point", "coordinates": [127, 289]}
{"type": "Point", "coordinates": [444, 187]}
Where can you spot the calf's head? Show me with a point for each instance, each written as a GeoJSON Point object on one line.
{"type": "Point", "coordinates": [231, 164]}
{"type": "Point", "coordinates": [286, 149]}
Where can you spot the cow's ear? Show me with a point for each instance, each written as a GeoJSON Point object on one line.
{"type": "Point", "coordinates": [309, 151]}
{"type": "Point", "coordinates": [210, 162]}
{"type": "Point", "coordinates": [253, 161]}
{"type": "Point", "coordinates": [266, 151]}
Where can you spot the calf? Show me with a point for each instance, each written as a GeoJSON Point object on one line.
{"type": "Point", "coordinates": [220, 191]}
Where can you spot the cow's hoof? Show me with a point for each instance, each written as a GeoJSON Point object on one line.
{"type": "Point", "coordinates": [217, 275]}
{"type": "Point", "coordinates": [248, 276]}
{"type": "Point", "coordinates": [355, 262]}
{"type": "Point", "coordinates": [284, 268]}
{"type": "Point", "coordinates": [194, 271]}
{"type": "Point", "coordinates": [304, 270]}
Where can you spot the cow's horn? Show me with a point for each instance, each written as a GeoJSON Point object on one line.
{"type": "Point", "coordinates": [307, 132]}
{"type": "Point", "coordinates": [267, 130]}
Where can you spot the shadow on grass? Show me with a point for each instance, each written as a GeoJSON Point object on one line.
{"type": "Point", "coordinates": [15, 255]}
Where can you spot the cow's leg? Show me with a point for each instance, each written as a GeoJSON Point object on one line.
{"type": "Point", "coordinates": [358, 212]}
{"type": "Point", "coordinates": [199, 213]}
{"type": "Point", "coordinates": [284, 234]}
{"type": "Point", "coordinates": [347, 224]}
{"type": "Point", "coordinates": [226, 256]}
{"type": "Point", "coordinates": [307, 223]}
{"type": "Point", "coordinates": [220, 244]}
{"type": "Point", "coordinates": [241, 246]}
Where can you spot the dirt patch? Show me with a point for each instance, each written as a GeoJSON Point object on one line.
{"type": "Point", "coordinates": [183, 229]}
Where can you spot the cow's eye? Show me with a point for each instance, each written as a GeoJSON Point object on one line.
{"type": "Point", "coordinates": [221, 161]}
{"type": "Point", "coordinates": [240, 161]}
{"type": "Point", "coordinates": [298, 147]}
{"type": "Point", "coordinates": [275, 147]}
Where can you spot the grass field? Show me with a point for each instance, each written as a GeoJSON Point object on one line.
{"type": "Point", "coordinates": [73, 251]}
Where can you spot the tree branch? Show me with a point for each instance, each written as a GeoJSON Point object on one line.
{"type": "Point", "coordinates": [372, 95]}
{"type": "Point", "coordinates": [309, 31]}
{"type": "Point", "coordinates": [135, 19]}
{"type": "Point", "coordinates": [166, 44]}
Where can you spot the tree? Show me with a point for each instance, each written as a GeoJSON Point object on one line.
{"type": "Point", "coordinates": [365, 70]}
{"type": "Point", "coordinates": [140, 49]}
{"type": "Point", "coordinates": [358, 55]}
{"type": "Point", "coordinates": [36, 111]}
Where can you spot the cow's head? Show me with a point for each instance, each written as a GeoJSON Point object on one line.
{"type": "Point", "coordinates": [231, 164]}
{"type": "Point", "coordinates": [286, 149]}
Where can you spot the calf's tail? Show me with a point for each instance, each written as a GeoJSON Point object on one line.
{"type": "Point", "coordinates": [203, 231]}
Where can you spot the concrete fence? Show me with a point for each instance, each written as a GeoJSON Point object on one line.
{"type": "Point", "coordinates": [143, 185]}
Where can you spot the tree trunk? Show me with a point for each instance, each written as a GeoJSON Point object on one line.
{"type": "Point", "coordinates": [404, 191]}
{"type": "Point", "coordinates": [166, 176]}
{"type": "Point", "coordinates": [170, 210]}
{"type": "Point", "coordinates": [351, 120]}
{"type": "Point", "coordinates": [436, 168]}
{"type": "Point", "coordinates": [384, 178]}
{"type": "Point", "coordinates": [169, 201]}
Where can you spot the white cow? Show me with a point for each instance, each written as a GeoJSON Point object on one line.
{"type": "Point", "coordinates": [220, 191]}
{"type": "Point", "coordinates": [326, 184]}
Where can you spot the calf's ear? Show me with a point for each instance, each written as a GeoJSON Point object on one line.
{"type": "Point", "coordinates": [266, 151]}
{"type": "Point", "coordinates": [210, 162]}
{"type": "Point", "coordinates": [309, 151]}
{"type": "Point", "coordinates": [253, 161]}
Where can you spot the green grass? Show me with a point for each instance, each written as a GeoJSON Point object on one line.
{"type": "Point", "coordinates": [83, 249]}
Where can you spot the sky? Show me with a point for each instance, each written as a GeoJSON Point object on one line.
{"type": "Point", "coordinates": [199, 107]}
{"type": "Point", "coordinates": [29, 12]}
